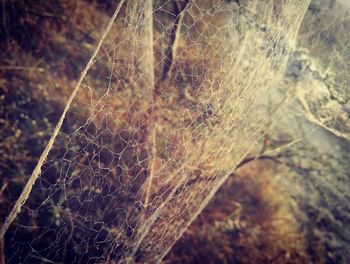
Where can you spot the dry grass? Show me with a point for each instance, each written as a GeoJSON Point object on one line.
{"type": "Point", "coordinates": [248, 221]}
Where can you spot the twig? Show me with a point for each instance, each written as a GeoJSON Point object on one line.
{"type": "Point", "coordinates": [27, 189]}
{"type": "Point", "coordinates": [152, 165]}
{"type": "Point", "coordinates": [21, 68]}
{"type": "Point", "coordinates": [272, 154]}
{"type": "Point", "coordinates": [174, 39]}
{"type": "Point", "coordinates": [262, 157]}
{"type": "Point", "coordinates": [171, 54]}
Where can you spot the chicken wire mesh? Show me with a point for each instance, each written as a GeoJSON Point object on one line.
{"type": "Point", "coordinates": [169, 104]}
